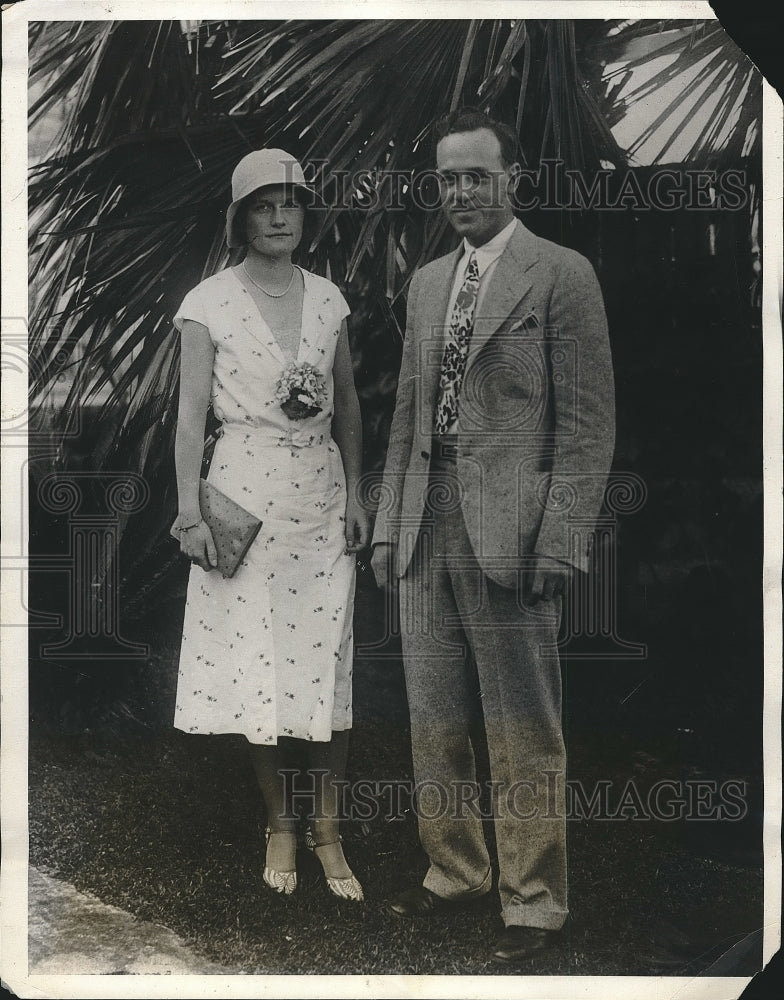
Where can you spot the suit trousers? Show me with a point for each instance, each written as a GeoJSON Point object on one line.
{"type": "Point", "coordinates": [475, 653]}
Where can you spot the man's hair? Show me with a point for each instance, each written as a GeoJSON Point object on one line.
{"type": "Point", "coordinates": [469, 120]}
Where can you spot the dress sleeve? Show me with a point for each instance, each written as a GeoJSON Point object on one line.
{"type": "Point", "coordinates": [191, 308]}
{"type": "Point", "coordinates": [341, 307]}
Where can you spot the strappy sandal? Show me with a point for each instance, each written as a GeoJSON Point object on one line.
{"type": "Point", "coordinates": [342, 888]}
{"type": "Point", "coordinates": [283, 883]}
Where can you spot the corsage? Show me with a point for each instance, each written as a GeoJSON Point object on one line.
{"type": "Point", "coordinates": [301, 390]}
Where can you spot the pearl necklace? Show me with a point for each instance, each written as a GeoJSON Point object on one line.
{"type": "Point", "coordinates": [272, 295]}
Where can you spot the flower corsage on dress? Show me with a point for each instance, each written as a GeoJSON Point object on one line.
{"type": "Point", "coordinates": [301, 390]}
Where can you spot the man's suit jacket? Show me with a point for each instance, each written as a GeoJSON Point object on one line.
{"type": "Point", "coordinates": [536, 410]}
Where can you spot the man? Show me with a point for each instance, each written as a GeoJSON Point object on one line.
{"type": "Point", "coordinates": [499, 450]}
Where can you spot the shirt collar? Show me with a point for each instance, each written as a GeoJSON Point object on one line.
{"type": "Point", "coordinates": [490, 251]}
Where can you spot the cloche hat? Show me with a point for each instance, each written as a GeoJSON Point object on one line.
{"type": "Point", "coordinates": [262, 168]}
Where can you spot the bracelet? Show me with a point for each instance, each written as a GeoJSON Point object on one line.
{"type": "Point", "coordinates": [190, 526]}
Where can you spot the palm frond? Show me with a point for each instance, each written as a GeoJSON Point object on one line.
{"type": "Point", "coordinates": [708, 76]}
{"type": "Point", "coordinates": [127, 213]}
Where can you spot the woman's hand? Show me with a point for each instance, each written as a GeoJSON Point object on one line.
{"type": "Point", "coordinates": [197, 544]}
{"type": "Point", "coordinates": [357, 525]}
{"type": "Point", "coordinates": [347, 432]}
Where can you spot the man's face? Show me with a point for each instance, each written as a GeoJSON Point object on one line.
{"type": "Point", "coordinates": [475, 185]}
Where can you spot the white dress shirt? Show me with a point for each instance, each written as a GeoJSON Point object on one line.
{"type": "Point", "coordinates": [486, 259]}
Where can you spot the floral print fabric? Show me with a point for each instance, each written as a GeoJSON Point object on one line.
{"type": "Point", "coordinates": [269, 652]}
{"type": "Point", "coordinates": [461, 326]}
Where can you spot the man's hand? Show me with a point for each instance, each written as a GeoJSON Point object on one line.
{"type": "Point", "coordinates": [383, 563]}
{"type": "Point", "coordinates": [547, 580]}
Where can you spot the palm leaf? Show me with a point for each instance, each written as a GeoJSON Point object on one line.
{"type": "Point", "coordinates": [127, 213]}
{"type": "Point", "coordinates": [702, 59]}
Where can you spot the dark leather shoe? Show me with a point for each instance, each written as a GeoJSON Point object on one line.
{"type": "Point", "coordinates": [518, 943]}
{"type": "Point", "coordinates": [418, 902]}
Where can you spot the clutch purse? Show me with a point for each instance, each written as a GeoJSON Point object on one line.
{"type": "Point", "coordinates": [233, 528]}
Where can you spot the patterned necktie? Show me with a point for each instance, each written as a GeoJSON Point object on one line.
{"type": "Point", "coordinates": [461, 327]}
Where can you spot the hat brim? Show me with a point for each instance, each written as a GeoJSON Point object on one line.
{"type": "Point", "coordinates": [235, 240]}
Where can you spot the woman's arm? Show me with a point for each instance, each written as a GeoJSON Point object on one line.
{"type": "Point", "coordinates": [347, 432]}
{"type": "Point", "coordinates": [197, 356]}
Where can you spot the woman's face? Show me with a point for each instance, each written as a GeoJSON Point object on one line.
{"type": "Point", "coordinates": [274, 221]}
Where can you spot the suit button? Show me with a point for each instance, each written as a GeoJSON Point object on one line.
{"type": "Point", "coordinates": [425, 454]}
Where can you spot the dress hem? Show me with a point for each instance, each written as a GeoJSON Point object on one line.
{"type": "Point", "coordinates": [253, 738]}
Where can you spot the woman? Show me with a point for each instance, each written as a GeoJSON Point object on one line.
{"type": "Point", "coordinates": [268, 653]}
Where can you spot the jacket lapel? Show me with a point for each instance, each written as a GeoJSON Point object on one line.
{"type": "Point", "coordinates": [432, 323]}
{"type": "Point", "coordinates": [509, 284]}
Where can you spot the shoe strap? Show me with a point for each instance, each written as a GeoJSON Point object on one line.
{"type": "Point", "coordinates": [328, 843]}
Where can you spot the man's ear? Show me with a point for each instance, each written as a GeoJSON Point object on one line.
{"type": "Point", "coordinates": [514, 171]}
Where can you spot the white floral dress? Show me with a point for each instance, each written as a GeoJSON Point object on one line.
{"type": "Point", "coordinates": [269, 652]}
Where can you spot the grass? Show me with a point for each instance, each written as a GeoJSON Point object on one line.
{"type": "Point", "coordinates": [169, 827]}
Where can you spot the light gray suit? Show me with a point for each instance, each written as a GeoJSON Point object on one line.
{"type": "Point", "coordinates": [533, 450]}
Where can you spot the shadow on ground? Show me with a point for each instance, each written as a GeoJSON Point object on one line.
{"type": "Point", "coordinates": [168, 828]}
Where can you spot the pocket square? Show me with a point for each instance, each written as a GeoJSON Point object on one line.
{"type": "Point", "coordinates": [528, 322]}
